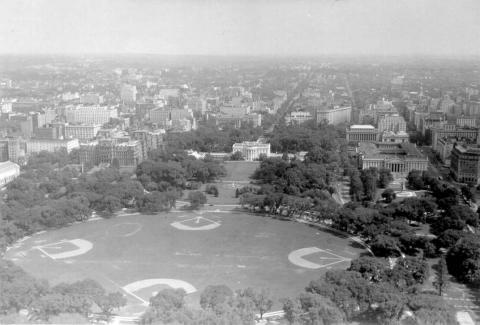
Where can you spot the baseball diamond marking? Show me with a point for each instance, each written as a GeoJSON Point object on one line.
{"type": "Point", "coordinates": [196, 223]}
{"type": "Point", "coordinates": [82, 245]}
{"type": "Point", "coordinates": [297, 257]}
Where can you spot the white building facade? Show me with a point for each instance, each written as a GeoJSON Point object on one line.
{"type": "Point", "coordinates": [8, 172]}
{"type": "Point", "coordinates": [251, 150]}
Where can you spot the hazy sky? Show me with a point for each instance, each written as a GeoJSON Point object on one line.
{"type": "Point", "coordinates": [260, 27]}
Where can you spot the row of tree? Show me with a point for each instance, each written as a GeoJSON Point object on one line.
{"type": "Point", "coordinates": [42, 301]}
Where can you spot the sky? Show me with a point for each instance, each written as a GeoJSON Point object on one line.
{"type": "Point", "coordinates": [241, 27]}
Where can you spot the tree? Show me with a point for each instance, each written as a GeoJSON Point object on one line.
{"type": "Point", "coordinates": [369, 179]}
{"type": "Point", "coordinates": [111, 301]}
{"type": "Point", "coordinates": [237, 155]}
{"type": "Point", "coordinates": [261, 299]}
{"type": "Point", "coordinates": [384, 177]}
{"type": "Point", "coordinates": [389, 195]}
{"type": "Point", "coordinates": [463, 260]}
{"type": "Point", "coordinates": [385, 246]}
{"type": "Point", "coordinates": [214, 296]}
{"type": "Point", "coordinates": [196, 199]}
{"type": "Point", "coordinates": [415, 180]}
{"type": "Point", "coordinates": [468, 193]}
{"type": "Point", "coordinates": [356, 186]}
{"type": "Point", "coordinates": [441, 281]}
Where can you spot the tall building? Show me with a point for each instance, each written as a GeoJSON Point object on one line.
{"type": "Point", "coordinates": [465, 163]}
{"type": "Point", "coordinates": [149, 140]}
{"type": "Point", "coordinates": [128, 93]}
{"type": "Point", "coordinates": [335, 115]}
{"type": "Point", "coordinates": [362, 133]}
{"type": "Point", "coordinates": [394, 123]}
{"type": "Point", "coordinates": [12, 148]}
{"type": "Point", "coordinates": [90, 114]}
{"type": "Point", "coordinates": [251, 150]}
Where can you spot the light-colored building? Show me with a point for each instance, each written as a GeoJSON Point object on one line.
{"type": "Point", "coordinates": [82, 132]}
{"type": "Point", "coordinates": [90, 114]}
{"type": "Point", "coordinates": [397, 137]}
{"type": "Point", "coordinates": [362, 133]}
{"type": "Point", "coordinates": [466, 121]}
{"type": "Point", "coordinates": [128, 93]}
{"type": "Point", "coordinates": [251, 150]}
{"type": "Point", "coordinates": [298, 117]}
{"type": "Point", "coordinates": [444, 149]}
{"type": "Point", "coordinates": [394, 123]}
{"type": "Point", "coordinates": [465, 163]}
{"type": "Point", "coordinates": [399, 158]}
{"type": "Point", "coordinates": [451, 131]}
{"type": "Point", "coordinates": [50, 145]}
{"type": "Point", "coordinates": [8, 172]}
{"type": "Point", "coordinates": [335, 115]}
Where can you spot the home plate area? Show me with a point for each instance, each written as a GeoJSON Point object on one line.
{"type": "Point", "coordinates": [143, 290]}
{"type": "Point", "coordinates": [315, 258]}
{"type": "Point", "coordinates": [65, 248]}
{"type": "Point", "coordinates": [196, 223]}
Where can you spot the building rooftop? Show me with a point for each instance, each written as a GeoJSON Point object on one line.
{"type": "Point", "coordinates": [362, 126]}
{"type": "Point", "coordinates": [7, 165]}
{"type": "Point", "coordinates": [388, 149]}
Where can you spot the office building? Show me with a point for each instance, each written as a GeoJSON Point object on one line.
{"type": "Point", "coordinates": [392, 122]}
{"type": "Point", "coordinates": [149, 140]}
{"type": "Point", "coordinates": [362, 133]}
{"type": "Point", "coordinates": [128, 93]}
{"type": "Point", "coordinates": [50, 145]}
{"type": "Point", "coordinates": [8, 172]}
{"type": "Point", "coordinates": [465, 163]}
{"type": "Point", "coordinates": [334, 115]}
{"type": "Point", "coordinates": [90, 114]}
{"type": "Point", "coordinates": [82, 132]}
{"type": "Point", "coordinates": [298, 117]}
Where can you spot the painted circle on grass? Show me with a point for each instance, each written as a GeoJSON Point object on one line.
{"type": "Point", "coordinates": [323, 258]}
{"type": "Point", "coordinates": [124, 229]}
{"type": "Point", "coordinates": [196, 223]}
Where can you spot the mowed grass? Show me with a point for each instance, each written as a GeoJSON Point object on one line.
{"type": "Point", "coordinates": [239, 170]}
{"type": "Point", "coordinates": [238, 175]}
{"type": "Point", "coordinates": [245, 251]}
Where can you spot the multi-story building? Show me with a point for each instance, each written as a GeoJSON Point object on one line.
{"type": "Point", "coordinates": [82, 131]}
{"type": "Point", "coordinates": [298, 117]}
{"type": "Point", "coordinates": [362, 133]}
{"type": "Point", "coordinates": [251, 150]}
{"type": "Point", "coordinates": [466, 121]}
{"type": "Point", "coordinates": [46, 133]}
{"type": "Point", "coordinates": [254, 119]}
{"type": "Point", "coordinates": [3, 150]}
{"type": "Point", "coordinates": [392, 122]}
{"type": "Point", "coordinates": [51, 145]}
{"type": "Point", "coordinates": [335, 115]}
{"type": "Point", "coordinates": [149, 140]}
{"type": "Point", "coordinates": [90, 114]}
{"type": "Point", "coordinates": [128, 93]}
{"type": "Point", "coordinates": [12, 148]}
{"type": "Point", "coordinates": [128, 154]}
{"type": "Point", "coordinates": [8, 172]}
{"type": "Point", "coordinates": [444, 149]}
{"type": "Point", "coordinates": [397, 137]}
{"type": "Point", "coordinates": [451, 131]}
{"type": "Point", "coordinates": [465, 163]}
{"type": "Point", "coordinates": [399, 158]}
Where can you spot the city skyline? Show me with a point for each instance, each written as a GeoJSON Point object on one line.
{"type": "Point", "coordinates": [260, 28]}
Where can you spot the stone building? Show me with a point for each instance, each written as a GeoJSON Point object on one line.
{"type": "Point", "coordinates": [400, 158]}
{"type": "Point", "coordinates": [251, 150]}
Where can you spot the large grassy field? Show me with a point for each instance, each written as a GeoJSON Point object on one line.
{"type": "Point", "coordinates": [243, 250]}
